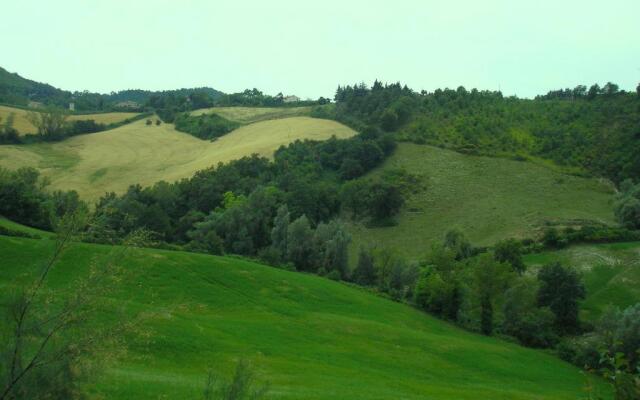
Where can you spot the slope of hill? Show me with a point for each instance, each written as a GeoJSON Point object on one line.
{"type": "Point", "coordinates": [23, 126]}
{"type": "Point", "coordinates": [136, 153]}
{"type": "Point", "coordinates": [310, 337]}
{"type": "Point", "coordinates": [611, 273]}
{"type": "Point", "coordinates": [15, 89]}
{"type": "Point", "coordinates": [487, 198]}
{"type": "Point", "coordinates": [247, 115]}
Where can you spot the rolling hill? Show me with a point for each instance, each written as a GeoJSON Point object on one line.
{"type": "Point", "coordinates": [23, 126]}
{"type": "Point", "coordinates": [487, 198]}
{"type": "Point", "coordinates": [136, 153]}
{"type": "Point", "coordinates": [611, 273]}
{"type": "Point", "coordinates": [247, 115]}
{"type": "Point", "coordinates": [309, 337]}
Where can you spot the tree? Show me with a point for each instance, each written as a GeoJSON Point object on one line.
{"type": "Point", "coordinates": [332, 245]}
{"type": "Point", "coordinates": [489, 280]}
{"type": "Point", "coordinates": [149, 122]}
{"type": "Point", "coordinates": [365, 274]}
{"type": "Point", "coordinates": [509, 251]}
{"type": "Point", "coordinates": [457, 242]}
{"type": "Point", "coordinates": [8, 134]}
{"type": "Point", "coordinates": [438, 289]}
{"type": "Point", "coordinates": [638, 90]}
{"type": "Point", "coordinates": [627, 205]}
{"type": "Point", "coordinates": [385, 200]}
{"type": "Point", "coordinates": [299, 244]}
{"type": "Point", "coordinates": [531, 325]}
{"type": "Point", "coordinates": [280, 231]}
{"type": "Point", "coordinates": [560, 289]}
{"type": "Point", "coordinates": [50, 122]}
{"type": "Point", "coordinates": [593, 92]}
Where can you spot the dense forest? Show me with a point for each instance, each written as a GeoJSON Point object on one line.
{"type": "Point", "coordinates": [593, 130]}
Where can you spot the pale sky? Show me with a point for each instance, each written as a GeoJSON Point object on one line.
{"type": "Point", "coordinates": [308, 48]}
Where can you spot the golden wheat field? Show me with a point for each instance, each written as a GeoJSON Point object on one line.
{"type": "Point", "coordinates": [136, 153]}
{"type": "Point", "coordinates": [23, 126]}
{"type": "Point", "coordinates": [246, 115]}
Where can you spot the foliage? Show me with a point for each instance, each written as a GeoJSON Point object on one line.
{"type": "Point", "coordinates": [489, 280]}
{"type": "Point", "coordinates": [241, 386]}
{"type": "Point", "coordinates": [364, 273]}
{"type": "Point", "coordinates": [560, 290]}
{"type": "Point", "coordinates": [523, 319]}
{"type": "Point", "coordinates": [456, 242]}
{"type": "Point", "coordinates": [50, 122]}
{"type": "Point", "coordinates": [205, 126]}
{"type": "Point", "coordinates": [439, 287]}
{"type": "Point", "coordinates": [509, 251]}
{"type": "Point", "coordinates": [595, 130]}
{"type": "Point", "coordinates": [8, 134]}
{"type": "Point", "coordinates": [627, 206]}
{"type": "Point", "coordinates": [23, 199]}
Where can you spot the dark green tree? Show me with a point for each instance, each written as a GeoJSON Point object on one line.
{"type": "Point", "coordinates": [490, 279]}
{"type": "Point", "coordinates": [365, 274]}
{"type": "Point", "coordinates": [509, 251]}
{"type": "Point", "coordinates": [280, 231]}
{"type": "Point", "coordinates": [561, 289]}
{"type": "Point", "coordinates": [457, 242]}
{"type": "Point", "coordinates": [300, 244]}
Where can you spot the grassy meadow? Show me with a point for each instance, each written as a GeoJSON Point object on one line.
{"type": "Point", "coordinates": [136, 153]}
{"type": "Point", "coordinates": [23, 126]}
{"type": "Point", "coordinates": [486, 198]}
{"type": "Point", "coordinates": [611, 273]}
{"type": "Point", "coordinates": [247, 115]}
{"type": "Point", "coordinates": [310, 337]}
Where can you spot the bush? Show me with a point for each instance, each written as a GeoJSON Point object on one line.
{"type": "Point", "coordinates": [206, 126]}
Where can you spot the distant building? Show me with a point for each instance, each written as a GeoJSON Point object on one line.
{"type": "Point", "coordinates": [72, 106]}
{"type": "Point", "coordinates": [291, 99]}
{"type": "Point", "coordinates": [35, 104]}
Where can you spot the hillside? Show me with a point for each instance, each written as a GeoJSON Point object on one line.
{"type": "Point", "coordinates": [136, 153]}
{"type": "Point", "coordinates": [310, 337]}
{"type": "Point", "coordinates": [611, 273]}
{"type": "Point", "coordinates": [23, 126]}
{"type": "Point", "coordinates": [17, 90]}
{"type": "Point", "coordinates": [486, 198]}
{"type": "Point", "coordinates": [247, 115]}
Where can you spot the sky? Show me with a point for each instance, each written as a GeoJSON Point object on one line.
{"type": "Point", "coordinates": [520, 47]}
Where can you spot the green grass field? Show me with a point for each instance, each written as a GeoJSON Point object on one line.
{"type": "Point", "coordinates": [23, 126]}
{"type": "Point", "coordinates": [136, 153]}
{"type": "Point", "coordinates": [247, 115]}
{"type": "Point", "coordinates": [487, 198]}
{"type": "Point", "coordinates": [310, 337]}
{"type": "Point", "coordinates": [611, 273]}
